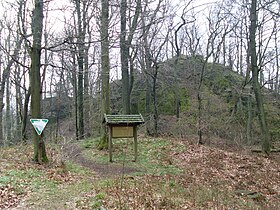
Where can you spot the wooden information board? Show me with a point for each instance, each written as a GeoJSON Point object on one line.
{"type": "Point", "coordinates": [122, 126]}
{"type": "Point", "coordinates": [122, 132]}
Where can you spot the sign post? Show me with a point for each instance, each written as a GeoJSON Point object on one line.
{"type": "Point", "coordinates": [39, 125]}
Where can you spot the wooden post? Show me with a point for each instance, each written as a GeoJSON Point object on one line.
{"type": "Point", "coordinates": [135, 142]}
{"type": "Point", "coordinates": [110, 144]}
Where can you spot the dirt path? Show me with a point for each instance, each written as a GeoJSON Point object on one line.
{"type": "Point", "coordinates": [74, 153]}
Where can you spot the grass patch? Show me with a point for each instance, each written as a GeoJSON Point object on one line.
{"type": "Point", "coordinates": [154, 155]}
{"type": "Point", "coordinates": [90, 143]}
{"type": "Point", "coordinates": [63, 197]}
{"type": "Point", "coordinates": [55, 186]}
{"type": "Point", "coordinates": [161, 184]}
{"type": "Point", "coordinates": [92, 202]}
{"type": "Point", "coordinates": [77, 169]}
{"type": "Point", "coordinates": [32, 178]}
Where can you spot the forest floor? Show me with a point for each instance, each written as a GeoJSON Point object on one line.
{"type": "Point", "coordinates": [169, 174]}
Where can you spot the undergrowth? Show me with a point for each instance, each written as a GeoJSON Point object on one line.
{"type": "Point", "coordinates": [173, 174]}
{"type": "Point", "coordinates": [154, 155]}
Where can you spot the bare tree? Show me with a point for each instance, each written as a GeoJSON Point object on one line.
{"type": "Point", "coordinates": [255, 77]}
{"type": "Point", "coordinates": [105, 68]}
{"type": "Point", "coordinates": [178, 53]}
{"type": "Point", "coordinates": [35, 78]}
{"type": "Point", "coordinates": [215, 30]}
{"type": "Point", "coordinates": [126, 38]}
{"type": "Point", "coordinates": [276, 85]}
{"type": "Point", "coordinates": [12, 46]}
{"type": "Point", "coordinates": [80, 10]}
{"type": "Point", "coordinates": [151, 45]}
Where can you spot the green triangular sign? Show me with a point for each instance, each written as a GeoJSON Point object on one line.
{"type": "Point", "coordinates": [39, 125]}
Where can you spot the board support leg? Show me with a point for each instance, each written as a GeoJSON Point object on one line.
{"type": "Point", "coordinates": [135, 143]}
{"type": "Point", "coordinates": [110, 144]}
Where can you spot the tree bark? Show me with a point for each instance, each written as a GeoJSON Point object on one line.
{"type": "Point", "coordinates": [178, 52]}
{"type": "Point", "coordinates": [24, 115]}
{"type": "Point", "coordinates": [276, 89]}
{"type": "Point", "coordinates": [18, 102]}
{"type": "Point", "coordinates": [40, 155]}
{"type": "Point", "coordinates": [154, 100]}
{"type": "Point", "coordinates": [148, 82]}
{"type": "Point", "coordinates": [125, 44]}
{"type": "Point", "coordinates": [249, 119]}
{"type": "Point", "coordinates": [241, 50]}
{"type": "Point", "coordinates": [5, 76]}
{"type": "Point", "coordinates": [86, 93]}
{"type": "Point", "coordinates": [8, 114]}
{"type": "Point", "coordinates": [255, 77]}
{"type": "Point", "coordinates": [148, 104]}
{"type": "Point", "coordinates": [199, 99]}
{"type": "Point", "coordinates": [124, 60]}
{"type": "Point", "coordinates": [105, 70]}
{"type": "Point", "coordinates": [81, 54]}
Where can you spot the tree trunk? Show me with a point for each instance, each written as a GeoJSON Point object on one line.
{"type": "Point", "coordinates": [86, 94]}
{"type": "Point", "coordinates": [249, 120]}
{"type": "Point", "coordinates": [241, 50]}
{"type": "Point", "coordinates": [277, 64]}
{"type": "Point", "coordinates": [80, 87]}
{"type": "Point", "coordinates": [177, 91]}
{"type": "Point", "coordinates": [40, 155]}
{"type": "Point", "coordinates": [80, 99]}
{"type": "Point", "coordinates": [124, 60]}
{"type": "Point", "coordinates": [18, 102]}
{"type": "Point", "coordinates": [224, 49]}
{"type": "Point", "coordinates": [24, 115]}
{"type": "Point", "coordinates": [148, 105]}
{"type": "Point", "coordinates": [8, 114]}
{"type": "Point", "coordinates": [5, 76]}
{"type": "Point", "coordinates": [154, 100]}
{"type": "Point", "coordinates": [178, 52]}
{"type": "Point", "coordinates": [199, 99]}
{"type": "Point", "coordinates": [76, 105]}
{"type": "Point", "coordinates": [125, 44]}
{"type": "Point", "coordinates": [148, 70]}
{"type": "Point", "coordinates": [255, 77]}
{"type": "Point", "coordinates": [105, 70]}
{"type": "Point", "coordinates": [74, 81]}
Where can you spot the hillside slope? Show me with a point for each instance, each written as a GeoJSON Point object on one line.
{"type": "Point", "coordinates": [225, 101]}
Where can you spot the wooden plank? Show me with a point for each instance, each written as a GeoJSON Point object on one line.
{"type": "Point", "coordinates": [123, 119]}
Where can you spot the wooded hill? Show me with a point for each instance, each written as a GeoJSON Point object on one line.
{"type": "Point", "coordinates": [58, 61]}
{"type": "Point", "coordinates": [226, 99]}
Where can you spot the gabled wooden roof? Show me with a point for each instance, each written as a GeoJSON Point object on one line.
{"type": "Point", "coordinates": [132, 119]}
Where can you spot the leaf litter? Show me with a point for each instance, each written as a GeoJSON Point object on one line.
{"type": "Point", "coordinates": [248, 176]}
{"type": "Point", "coordinates": [211, 178]}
